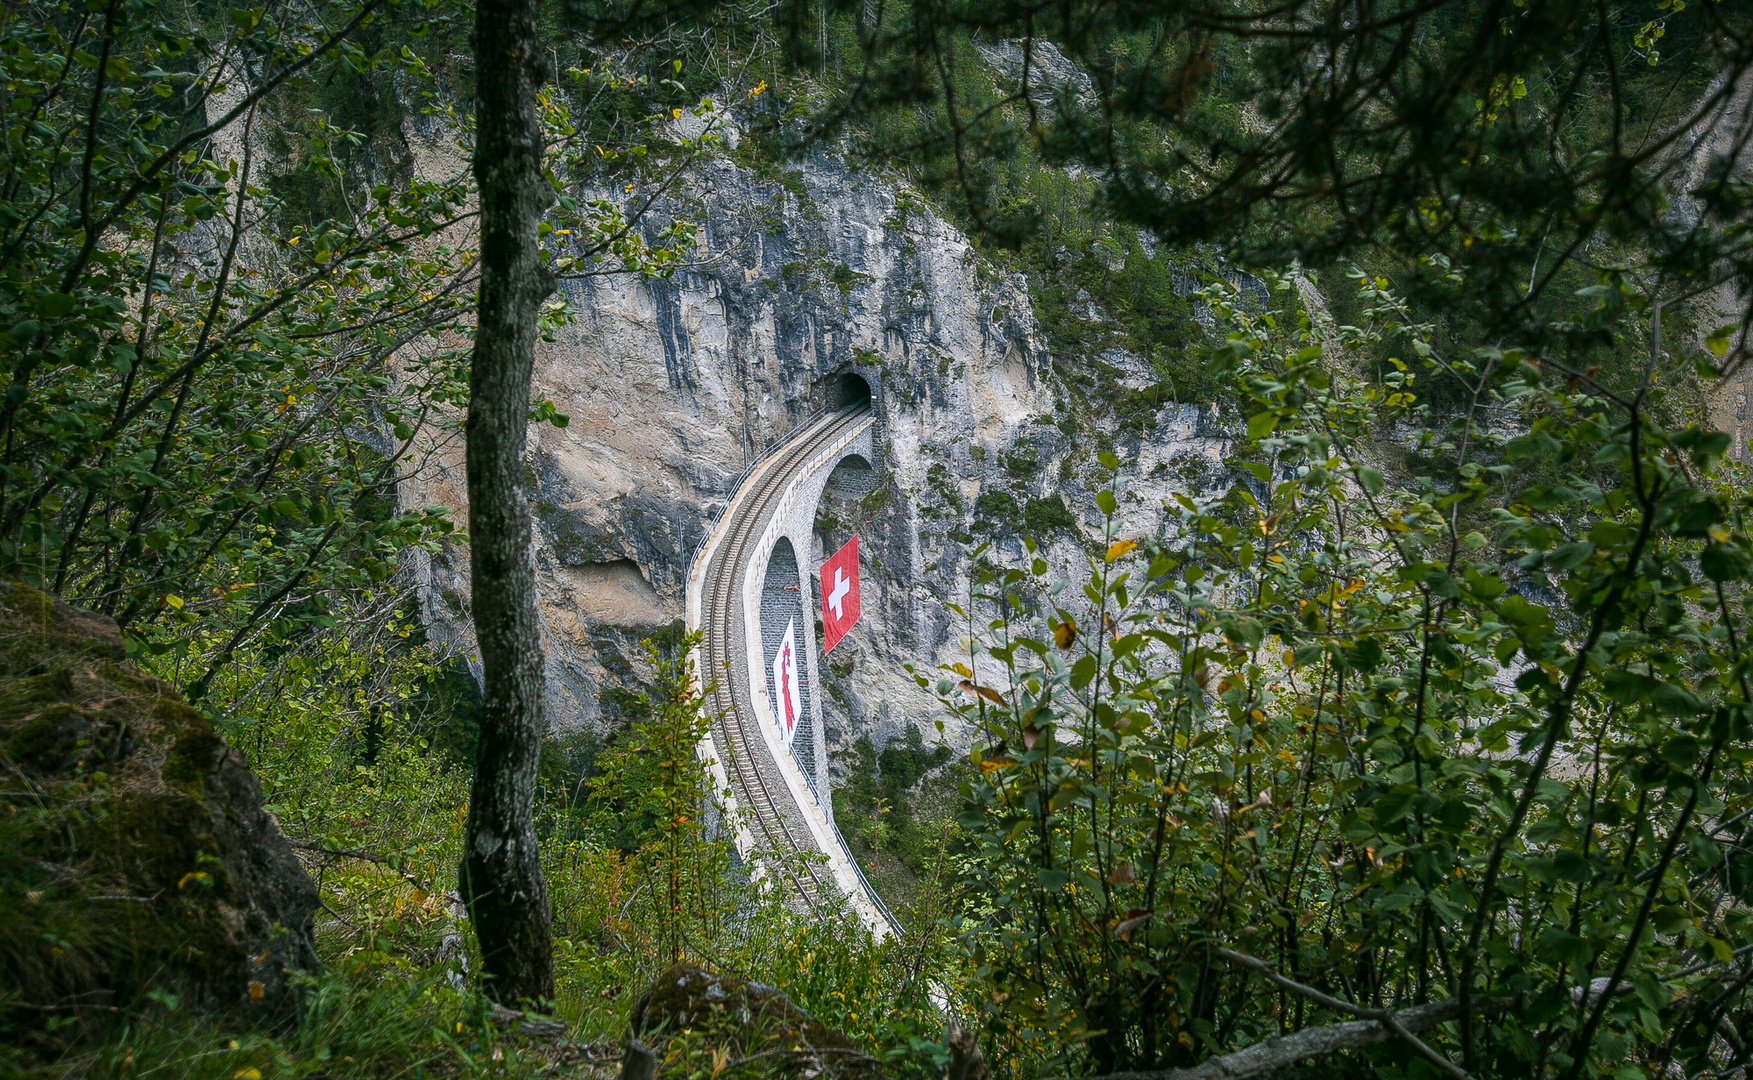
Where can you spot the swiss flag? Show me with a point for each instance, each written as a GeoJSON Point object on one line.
{"type": "Point", "coordinates": [839, 594]}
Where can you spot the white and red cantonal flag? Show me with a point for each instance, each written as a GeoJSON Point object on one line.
{"type": "Point", "coordinates": [785, 685]}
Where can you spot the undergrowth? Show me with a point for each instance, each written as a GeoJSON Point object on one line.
{"type": "Point", "coordinates": [352, 732]}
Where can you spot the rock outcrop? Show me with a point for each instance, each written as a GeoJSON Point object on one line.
{"type": "Point", "coordinates": [135, 852]}
{"type": "Point", "coordinates": [747, 1019]}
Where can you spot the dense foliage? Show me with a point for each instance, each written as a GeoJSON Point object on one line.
{"type": "Point", "coordinates": [1506, 136]}
{"type": "Point", "coordinates": [1338, 744]}
{"type": "Point", "coordinates": [233, 319]}
{"type": "Point", "coordinates": [198, 390]}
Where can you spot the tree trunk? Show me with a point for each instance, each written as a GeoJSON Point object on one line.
{"type": "Point", "coordinates": [502, 872]}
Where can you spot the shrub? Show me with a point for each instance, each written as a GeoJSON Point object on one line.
{"type": "Point", "coordinates": [995, 510]}
{"type": "Point", "coordinates": [1335, 735]}
{"type": "Point", "coordinates": [1043, 517]}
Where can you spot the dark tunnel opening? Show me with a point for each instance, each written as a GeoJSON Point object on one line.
{"type": "Point", "coordinates": [848, 391]}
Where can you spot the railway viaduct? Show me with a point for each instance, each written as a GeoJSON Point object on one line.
{"type": "Point", "coordinates": [750, 577]}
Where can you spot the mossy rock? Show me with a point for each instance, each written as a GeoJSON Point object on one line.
{"type": "Point", "coordinates": [135, 852]}
{"type": "Point", "coordinates": [745, 1017]}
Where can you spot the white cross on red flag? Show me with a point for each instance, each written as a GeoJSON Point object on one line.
{"type": "Point", "coordinates": [839, 594]}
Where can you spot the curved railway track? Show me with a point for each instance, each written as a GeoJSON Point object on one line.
{"type": "Point", "coordinates": [756, 781]}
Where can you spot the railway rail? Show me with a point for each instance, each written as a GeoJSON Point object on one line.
{"type": "Point", "coordinates": [775, 815]}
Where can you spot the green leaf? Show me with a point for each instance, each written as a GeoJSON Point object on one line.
{"type": "Point", "coordinates": [1531, 621]}
{"type": "Point", "coordinates": [1681, 752]}
{"type": "Point", "coordinates": [1725, 562]}
{"type": "Point", "coordinates": [1441, 583]}
{"type": "Point", "coordinates": [1718, 340]}
{"type": "Point", "coordinates": [1671, 919]}
{"type": "Point", "coordinates": [1627, 687]}
{"type": "Point", "coordinates": [1083, 672]}
{"type": "Point", "coordinates": [1695, 518]}
{"type": "Point", "coordinates": [1395, 901]}
{"type": "Point", "coordinates": [1261, 424]}
{"type": "Point", "coordinates": [1572, 866]}
{"type": "Point", "coordinates": [1248, 632]}
{"type": "Point", "coordinates": [1395, 804]}
{"type": "Point", "coordinates": [1569, 556]}
{"type": "Point", "coordinates": [1560, 947]}
{"type": "Point", "coordinates": [1675, 700]}
{"type": "Point", "coordinates": [1369, 479]}
{"type": "Point", "coordinates": [55, 305]}
{"type": "Point", "coordinates": [1365, 654]}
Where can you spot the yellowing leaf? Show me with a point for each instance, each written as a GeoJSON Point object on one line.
{"type": "Point", "coordinates": [1064, 634]}
{"type": "Point", "coordinates": [1124, 930]}
{"type": "Point", "coordinates": [1119, 548]}
{"type": "Point", "coordinates": [171, 601]}
{"type": "Point", "coordinates": [1718, 341]}
{"type": "Point", "coordinates": [971, 688]}
{"type": "Point", "coordinates": [256, 994]}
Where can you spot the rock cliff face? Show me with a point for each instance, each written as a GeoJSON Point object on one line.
{"type": "Point", "coordinates": [673, 387]}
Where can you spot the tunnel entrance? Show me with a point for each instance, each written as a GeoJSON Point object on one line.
{"type": "Point", "coordinates": [848, 390]}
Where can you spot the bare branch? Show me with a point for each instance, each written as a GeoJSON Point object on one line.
{"type": "Point", "coordinates": [1279, 1053]}
{"type": "Point", "coordinates": [1384, 1016]}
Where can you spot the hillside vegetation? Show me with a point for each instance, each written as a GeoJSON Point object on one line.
{"type": "Point", "coordinates": [1420, 750]}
